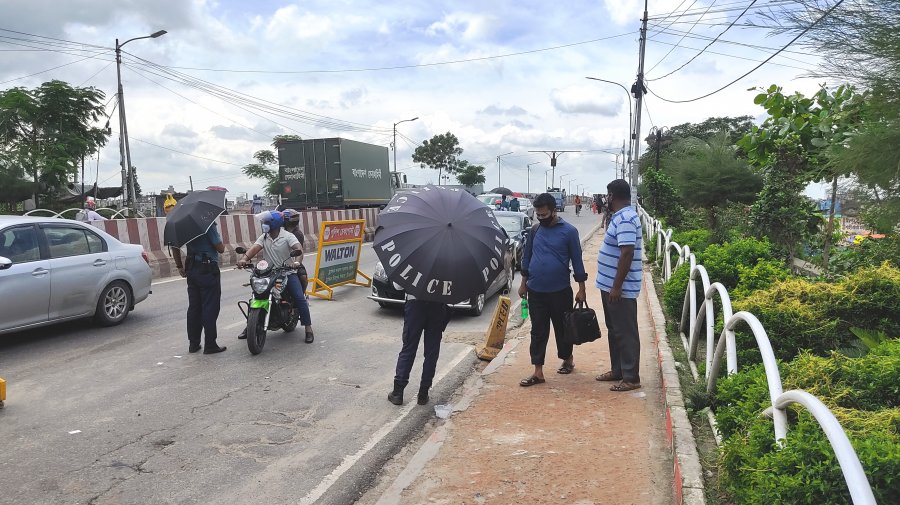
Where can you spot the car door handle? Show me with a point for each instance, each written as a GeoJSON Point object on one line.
{"type": "Point", "coordinates": [99, 263]}
{"type": "Point", "coordinates": [40, 272]}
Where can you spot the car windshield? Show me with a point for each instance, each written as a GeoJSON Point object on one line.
{"type": "Point", "coordinates": [488, 200]}
{"type": "Point", "coordinates": [512, 224]}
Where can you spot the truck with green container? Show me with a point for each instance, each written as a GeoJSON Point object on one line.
{"type": "Point", "coordinates": [334, 173]}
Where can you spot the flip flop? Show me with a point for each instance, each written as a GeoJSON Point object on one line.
{"type": "Point", "coordinates": [566, 368]}
{"type": "Point", "coordinates": [624, 386]}
{"type": "Point", "coordinates": [607, 377]}
{"type": "Point", "coordinates": [531, 381]}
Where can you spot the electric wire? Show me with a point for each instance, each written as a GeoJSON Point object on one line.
{"type": "Point", "coordinates": [707, 45]}
{"type": "Point", "coordinates": [679, 40]}
{"type": "Point", "coordinates": [44, 71]}
{"type": "Point", "coordinates": [767, 49]}
{"type": "Point", "coordinates": [802, 33]}
{"type": "Point", "coordinates": [676, 10]}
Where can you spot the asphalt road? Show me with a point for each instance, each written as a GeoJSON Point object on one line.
{"type": "Point", "coordinates": [126, 415]}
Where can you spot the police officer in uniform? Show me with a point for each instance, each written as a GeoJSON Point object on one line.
{"type": "Point", "coordinates": [201, 268]}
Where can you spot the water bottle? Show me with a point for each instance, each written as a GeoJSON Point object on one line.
{"type": "Point", "coordinates": [524, 309]}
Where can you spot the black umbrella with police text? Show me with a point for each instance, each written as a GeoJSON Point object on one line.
{"type": "Point", "coordinates": [193, 216]}
{"type": "Point", "coordinates": [440, 244]}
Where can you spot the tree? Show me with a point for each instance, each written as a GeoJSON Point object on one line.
{"type": "Point", "coordinates": [137, 185]}
{"type": "Point", "coordinates": [709, 174]}
{"type": "Point", "coordinates": [266, 166]}
{"type": "Point", "coordinates": [440, 153]}
{"type": "Point", "coordinates": [470, 175]}
{"type": "Point", "coordinates": [659, 195]}
{"type": "Point", "coordinates": [48, 130]}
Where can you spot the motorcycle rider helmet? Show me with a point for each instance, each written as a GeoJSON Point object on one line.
{"type": "Point", "coordinates": [273, 221]}
{"type": "Point", "coordinates": [90, 203]}
{"type": "Point", "coordinates": [291, 216]}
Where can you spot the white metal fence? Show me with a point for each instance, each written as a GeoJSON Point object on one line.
{"type": "Point", "coordinates": [693, 319]}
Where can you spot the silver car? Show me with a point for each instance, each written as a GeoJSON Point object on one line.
{"type": "Point", "coordinates": [54, 270]}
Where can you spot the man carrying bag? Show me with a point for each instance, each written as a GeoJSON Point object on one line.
{"type": "Point", "coordinates": [581, 325]}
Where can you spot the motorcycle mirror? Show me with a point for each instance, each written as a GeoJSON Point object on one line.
{"type": "Point", "coordinates": [240, 250]}
{"type": "Point", "coordinates": [296, 253]}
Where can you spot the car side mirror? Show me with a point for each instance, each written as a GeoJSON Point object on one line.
{"type": "Point", "coordinates": [240, 250]}
{"type": "Point", "coordinates": [296, 252]}
{"type": "Point", "coordinates": [5, 263]}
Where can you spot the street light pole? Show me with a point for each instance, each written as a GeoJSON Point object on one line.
{"type": "Point", "coordinates": [529, 176]}
{"type": "Point", "coordinates": [394, 147]}
{"type": "Point", "coordinates": [498, 168]}
{"type": "Point", "coordinates": [631, 134]}
{"type": "Point", "coordinates": [128, 193]}
{"type": "Point", "coordinates": [545, 177]}
{"type": "Point", "coordinates": [560, 181]}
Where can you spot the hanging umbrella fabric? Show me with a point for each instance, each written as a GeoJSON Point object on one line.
{"type": "Point", "coordinates": [193, 216]}
{"type": "Point", "coordinates": [216, 188]}
{"type": "Point", "coordinates": [440, 244]}
{"type": "Point", "coordinates": [517, 194]}
{"type": "Point", "coordinates": [503, 191]}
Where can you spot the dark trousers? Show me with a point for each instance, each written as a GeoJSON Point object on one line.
{"type": "Point", "coordinates": [295, 287]}
{"type": "Point", "coordinates": [624, 340]}
{"type": "Point", "coordinates": [546, 308]}
{"type": "Point", "coordinates": [204, 300]}
{"type": "Point", "coordinates": [418, 317]}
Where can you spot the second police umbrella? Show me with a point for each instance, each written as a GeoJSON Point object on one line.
{"type": "Point", "coordinates": [440, 244]}
{"type": "Point", "coordinates": [193, 216]}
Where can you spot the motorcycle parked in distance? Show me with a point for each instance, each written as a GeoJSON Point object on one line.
{"type": "Point", "coordinates": [271, 307]}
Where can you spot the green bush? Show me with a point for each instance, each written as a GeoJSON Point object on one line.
{"type": "Point", "coordinates": [758, 276]}
{"type": "Point", "coordinates": [870, 253]}
{"type": "Point", "coordinates": [817, 316]}
{"type": "Point", "coordinates": [673, 292]}
{"type": "Point", "coordinates": [698, 239]}
{"type": "Point", "coordinates": [753, 469]}
{"type": "Point", "coordinates": [650, 249]}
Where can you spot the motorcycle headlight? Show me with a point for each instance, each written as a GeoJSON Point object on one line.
{"type": "Point", "coordinates": [259, 284]}
{"type": "Point", "coordinates": [379, 273]}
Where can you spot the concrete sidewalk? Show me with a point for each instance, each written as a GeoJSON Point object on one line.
{"type": "Point", "coordinates": [569, 440]}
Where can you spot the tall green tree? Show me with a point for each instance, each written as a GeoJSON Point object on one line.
{"type": "Point", "coordinates": [470, 175]}
{"type": "Point", "coordinates": [266, 166]}
{"type": "Point", "coordinates": [441, 153]}
{"type": "Point", "coordinates": [46, 132]}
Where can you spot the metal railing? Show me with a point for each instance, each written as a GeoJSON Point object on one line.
{"type": "Point", "coordinates": [693, 318]}
{"type": "Point", "coordinates": [116, 214]}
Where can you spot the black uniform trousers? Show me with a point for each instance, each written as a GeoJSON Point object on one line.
{"type": "Point", "coordinates": [420, 316]}
{"type": "Point", "coordinates": [544, 309]}
{"type": "Point", "coordinates": [624, 339]}
{"type": "Point", "coordinates": [204, 301]}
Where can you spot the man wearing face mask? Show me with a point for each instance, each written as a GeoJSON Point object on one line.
{"type": "Point", "coordinates": [551, 247]}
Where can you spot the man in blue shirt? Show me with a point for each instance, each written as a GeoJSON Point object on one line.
{"type": "Point", "coordinates": [201, 268]}
{"type": "Point", "coordinates": [545, 282]}
{"type": "Point", "coordinates": [619, 280]}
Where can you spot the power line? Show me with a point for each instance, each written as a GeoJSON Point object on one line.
{"type": "Point", "coordinates": [744, 57]}
{"type": "Point", "coordinates": [96, 73]}
{"type": "Point", "coordinates": [681, 39]}
{"type": "Point", "coordinates": [45, 71]}
{"type": "Point", "coordinates": [722, 9]}
{"type": "Point", "coordinates": [51, 38]}
{"type": "Point", "coordinates": [682, 13]}
{"type": "Point", "coordinates": [402, 67]}
{"type": "Point", "coordinates": [802, 33]}
{"type": "Point", "coordinates": [674, 32]}
{"type": "Point", "coordinates": [707, 45]}
{"type": "Point", "coordinates": [184, 153]}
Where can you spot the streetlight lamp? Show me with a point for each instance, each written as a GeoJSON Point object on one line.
{"type": "Point", "coordinates": [124, 148]}
{"type": "Point", "coordinates": [630, 119]}
{"type": "Point", "coordinates": [498, 167]}
{"type": "Point", "coordinates": [529, 176]}
{"type": "Point", "coordinates": [394, 146]}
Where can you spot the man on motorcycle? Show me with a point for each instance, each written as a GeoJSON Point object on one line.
{"type": "Point", "coordinates": [276, 244]}
{"type": "Point", "coordinates": [292, 224]}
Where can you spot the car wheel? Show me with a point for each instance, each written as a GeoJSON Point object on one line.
{"type": "Point", "coordinates": [114, 304]}
{"type": "Point", "coordinates": [478, 305]}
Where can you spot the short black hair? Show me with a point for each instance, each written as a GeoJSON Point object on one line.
{"type": "Point", "coordinates": [619, 188]}
{"type": "Point", "coordinates": [544, 200]}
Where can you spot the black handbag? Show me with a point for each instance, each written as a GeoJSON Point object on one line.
{"type": "Point", "coordinates": [581, 325]}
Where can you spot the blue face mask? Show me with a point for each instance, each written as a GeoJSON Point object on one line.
{"type": "Point", "coordinates": [266, 228]}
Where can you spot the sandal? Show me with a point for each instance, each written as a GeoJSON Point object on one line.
{"type": "Point", "coordinates": [624, 386]}
{"type": "Point", "coordinates": [566, 368]}
{"type": "Point", "coordinates": [531, 381]}
{"type": "Point", "coordinates": [607, 377]}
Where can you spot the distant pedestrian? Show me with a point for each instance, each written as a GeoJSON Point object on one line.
{"type": "Point", "coordinates": [504, 203]}
{"type": "Point", "coordinates": [419, 317]}
{"type": "Point", "coordinates": [619, 280]}
{"type": "Point", "coordinates": [514, 205]}
{"type": "Point", "coordinates": [90, 213]}
{"type": "Point", "coordinates": [549, 251]}
{"type": "Point", "coordinates": [577, 205]}
{"type": "Point", "coordinates": [204, 285]}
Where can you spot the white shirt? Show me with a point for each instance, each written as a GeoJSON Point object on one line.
{"type": "Point", "coordinates": [277, 251]}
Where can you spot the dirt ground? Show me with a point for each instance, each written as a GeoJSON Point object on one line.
{"type": "Point", "coordinates": [569, 440]}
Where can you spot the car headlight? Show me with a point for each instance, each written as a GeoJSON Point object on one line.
{"type": "Point", "coordinates": [259, 284]}
{"type": "Point", "coordinates": [379, 273]}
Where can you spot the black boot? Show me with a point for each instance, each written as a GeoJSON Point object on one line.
{"type": "Point", "coordinates": [423, 393]}
{"type": "Point", "coordinates": [396, 396]}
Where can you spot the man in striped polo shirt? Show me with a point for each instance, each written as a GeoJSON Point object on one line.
{"type": "Point", "coordinates": [619, 280]}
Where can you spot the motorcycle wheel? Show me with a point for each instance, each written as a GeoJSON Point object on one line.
{"type": "Point", "coordinates": [256, 330]}
{"type": "Point", "coordinates": [291, 324]}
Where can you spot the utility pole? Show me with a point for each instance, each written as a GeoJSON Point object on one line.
{"type": "Point", "coordinates": [529, 175]}
{"type": "Point", "coordinates": [553, 158]}
{"type": "Point", "coordinates": [498, 168]}
{"type": "Point", "coordinates": [638, 90]}
{"type": "Point", "coordinates": [394, 147]}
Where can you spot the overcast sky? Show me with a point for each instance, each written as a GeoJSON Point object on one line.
{"type": "Point", "coordinates": [310, 63]}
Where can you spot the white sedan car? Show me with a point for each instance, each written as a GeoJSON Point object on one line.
{"type": "Point", "coordinates": [54, 270]}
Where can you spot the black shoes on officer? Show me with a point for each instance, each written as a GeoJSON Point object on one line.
{"type": "Point", "coordinates": [423, 393]}
{"type": "Point", "coordinates": [396, 396]}
{"type": "Point", "coordinates": [214, 350]}
{"type": "Point", "coordinates": [193, 348]}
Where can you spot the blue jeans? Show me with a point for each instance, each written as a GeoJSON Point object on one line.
{"type": "Point", "coordinates": [293, 285]}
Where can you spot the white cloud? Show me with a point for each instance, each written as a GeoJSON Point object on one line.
{"type": "Point", "coordinates": [464, 26]}
{"type": "Point", "coordinates": [584, 100]}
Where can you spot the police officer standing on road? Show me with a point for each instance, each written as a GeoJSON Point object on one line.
{"type": "Point", "coordinates": [419, 316]}
{"type": "Point", "coordinates": [201, 268]}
